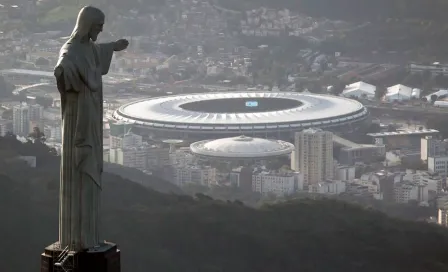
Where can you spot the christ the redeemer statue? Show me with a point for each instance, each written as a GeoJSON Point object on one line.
{"type": "Point", "coordinates": [79, 71]}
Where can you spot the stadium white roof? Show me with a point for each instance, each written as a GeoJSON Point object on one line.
{"type": "Point", "coordinates": [241, 147]}
{"type": "Point", "coordinates": [167, 110]}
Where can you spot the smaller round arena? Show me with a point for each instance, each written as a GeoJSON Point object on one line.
{"type": "Point", "coordinates": [241, 147]}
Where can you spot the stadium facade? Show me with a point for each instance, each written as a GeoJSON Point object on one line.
{"type": "Point", "coordinates": [228, 114]}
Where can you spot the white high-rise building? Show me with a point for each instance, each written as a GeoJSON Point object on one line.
{"type": "Point", "coordinates": [56, 133]}
{"type": "Point", "coordinates": [4, 127]}
{"type": "Point", "coordinates": [36, 117]}
{"type": "Point", "coordinates": [313, 155]}
{"type": "Point", "coordinates": [21, 120]}
{"type": "Point", "coordinates": [36, 112]}
{"type": "Point", "coordinates": [442, 218]}
{"type": "Point", "coordinates": [26, 118]}
{"type": "Point", "coordinates": [432, 147]}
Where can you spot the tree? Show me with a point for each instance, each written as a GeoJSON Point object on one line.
{"type": "Point", "coordinates": [7, 114]}
{"type": "Point", "coordinates": [428, 86]}
{"type": "Point", "coordinates": [380, 93]}
{"type": "Point", "coordinates": [44, 101]}
{"type": "Point", "coordinates": [439, 124]}
{"type": "Point", "coordinates": [42, 62]}
{"type": "Point", "coordinates": [298, 86]}
{"type": "Point", "coordinates": [434, 98]}
{"type": "Point", "coordinates": [426, 75]}
{"type": "Point", "coordinates": [37, 135]}
{"type": "Point", "coordinates": [338, 88]}
{"type": "Point", "coordinates": [6, 88]}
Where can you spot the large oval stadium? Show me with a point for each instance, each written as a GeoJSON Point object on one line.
{"type": "Point", "coordinates": [227, 114]}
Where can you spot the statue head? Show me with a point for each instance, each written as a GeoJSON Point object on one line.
{"type": "Point", "coordinates": [89, 24]}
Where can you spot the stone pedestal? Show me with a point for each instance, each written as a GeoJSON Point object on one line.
{"type": "Point", "coordinates": [103, 258]}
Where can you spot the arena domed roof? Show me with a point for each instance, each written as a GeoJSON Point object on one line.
{"type": "Point", "coordinates": [241, 147]}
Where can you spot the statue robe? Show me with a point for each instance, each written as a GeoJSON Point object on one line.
{"type": "Point", "coordinates": [79, 79]}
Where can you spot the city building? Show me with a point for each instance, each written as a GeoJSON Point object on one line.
{"type": "Point", "coordinates": [21, 120]}
{"type": "Point", "coordinates": [432, 147]}
{"type": "Point", "coordinates": [54, 132]}
{"type": "Point", "coordinates": [442, 205]}
{"type": "Point", "coordinates": [142, 157]}
{"type": "Point", "coordinates": [344, 172]}
{"type": "Point", "coordinates": [313, 155]}
{"type": "Point", "coordinates": [442, 217]}
{"type": "Point", "coordinates": [350, 153]}
{"type": "Point", "coordinates": [438, 164]}
{"type": "Point", "coordinates": [330, 187]}
{"type": "Point", "coordinates": [182, 157]}
{"type": "Point", "coordinates": [117, 130]}
{"type": "Point", "coordinates": [279, 183]}
{"type": "Point", "coordinates": [125, 140]}
{"type": "Point", "coordinates": [5, 127]}
{"type": "Point", "coordinates": [241, 177]}
{"type": "Point", "coordinates": [436, 183]}
{"type": "Point", "coordinates": [359, 190]}
{"type": "Point", "coordinates": [199, 175]}
{"type": "Point", "coordinates": [372, 184]}
{"type": "Point", "coordinates": [435, 69]}
{"type": "Point", "coordinates": [135, 157]}
{"type": "Point", "coordinates": [158, 157]}
{"type": "Point", "coordinates": [407, 191]}
{"type": "Point", "coordinates": [26, 117]}
{"type": "Point", "coordinates": [36, 117]}
{"type": "Point", "coordinates": [402, 139]}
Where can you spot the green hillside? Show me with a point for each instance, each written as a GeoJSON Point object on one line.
{"type": "Point", "coordinates": [167, 232]}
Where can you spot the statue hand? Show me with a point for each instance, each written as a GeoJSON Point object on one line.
{"type": "Point", "coordinates": [121, 44]}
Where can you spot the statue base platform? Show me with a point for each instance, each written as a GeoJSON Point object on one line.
{"type": "Point", "coordinates": [103, 258]}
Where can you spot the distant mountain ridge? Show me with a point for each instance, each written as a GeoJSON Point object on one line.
{"type": "Point", "coordinates": [352, 10]}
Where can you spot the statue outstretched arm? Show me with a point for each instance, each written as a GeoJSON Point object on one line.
{"type": "Point", "coordinates": [105, 53]}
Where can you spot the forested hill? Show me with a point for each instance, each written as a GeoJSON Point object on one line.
{"type": "Point", "coordinates": [172, 233]}
{"type": "Point", "coordinates": [363, 10]}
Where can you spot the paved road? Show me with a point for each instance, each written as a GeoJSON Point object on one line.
{"type": "Point", "coordinates": [23, 88]}
{"type": "Point", "coordinates": [430, 110]}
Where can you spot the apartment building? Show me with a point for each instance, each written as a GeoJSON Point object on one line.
{"type": "Point", "coordinates": [313, 155]}
{"type": "Point", "coordinates": [276, 182]}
